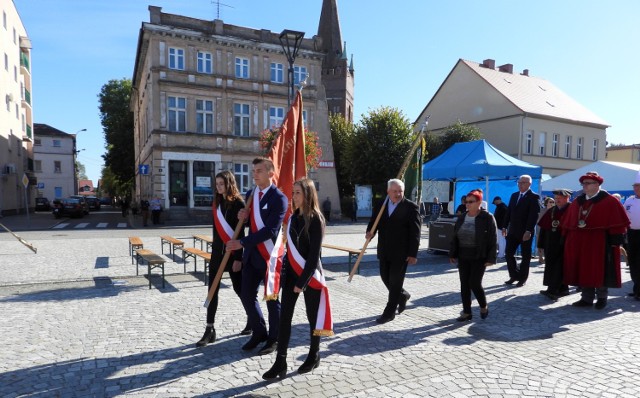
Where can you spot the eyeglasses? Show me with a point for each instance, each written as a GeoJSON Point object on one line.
{"type": "Point", "coordinates": [470, 201]}
{"type": "Point", "coordinates": [588, 183]}
{"type": "Point", "coordinates": [523, 182]}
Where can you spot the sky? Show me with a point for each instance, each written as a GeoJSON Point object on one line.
{"type": "Point", "coordinates": [402, 51]}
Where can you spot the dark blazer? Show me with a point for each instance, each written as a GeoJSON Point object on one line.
{"type": "Point", "coordinates": [272, 209]}
{"type": "Point", "coordinates": [398, 235]}
{"type": "Point", "coordinates": [523, 216]}
{"type": "Point", "coordinates": [500, 215]}
{"type": "Point", "coordinates": [230, 212]}
{"type": "Point", "coordinates": [486, 238]}
{"type": "Point", "coordinates": [308, 245]}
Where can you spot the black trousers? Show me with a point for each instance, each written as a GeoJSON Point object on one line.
{"type": "Point", "coordinates": [633, 260]}
{"type": "Point", "coordinates": [392, 274]}
{"type": "Point", "coordinates": [236, 282]}
{"type": "Point", "coordinates": [252, 277]}
{"type": "Point", "coordinates": [510, 252]}
{"type": "Point", "coordinates": [471, 272]}
{"type": "Point", "coordinates": [289, 299]}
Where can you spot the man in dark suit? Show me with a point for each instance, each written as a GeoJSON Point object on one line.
{"type": "Point", "coordinates": [398, 241]}
{"type": "Point", "coordinates": [499, 214]}
{"type": "Point", "coordinates": [265, 218]}
{"type": "Point", "coordinates": [519, 228]}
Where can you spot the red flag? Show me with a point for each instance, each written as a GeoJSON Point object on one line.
{"type": "Point", "coordinates": [287, 152]}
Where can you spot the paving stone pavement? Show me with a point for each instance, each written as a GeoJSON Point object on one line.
{"type": "Point", "coordinates": [77, 321]}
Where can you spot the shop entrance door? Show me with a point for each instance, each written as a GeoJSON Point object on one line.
{"type": "Point", "coordinates": [178, 188]}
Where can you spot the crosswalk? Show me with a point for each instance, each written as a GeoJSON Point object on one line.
{"type": "Point", "coordinates": [86, 225]}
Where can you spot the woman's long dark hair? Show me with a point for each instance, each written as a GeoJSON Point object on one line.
{"type": "Point", "coordinates": [232, 189]}
{"type": "Point", "coordinates": [310, 207]}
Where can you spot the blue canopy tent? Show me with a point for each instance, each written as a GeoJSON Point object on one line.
{"type": "Point", "coordinates": [477, 164]}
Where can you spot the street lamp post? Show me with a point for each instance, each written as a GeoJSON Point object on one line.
{"type": "Point", "coordinates": [290, 40]}
{"type": "Point", "coordinates": [75, 167]}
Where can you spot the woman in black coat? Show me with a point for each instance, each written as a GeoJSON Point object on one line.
{"type": "Point", "coordinates": [227, 203]}
{"type": "Point", "coordinates": [473, 247]}
{"type": "Point", "coordinates": [302, 272]}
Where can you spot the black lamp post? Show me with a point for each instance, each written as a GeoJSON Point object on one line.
{"type": "Point", "coordinates": [290, 40]}
{"type": "Point", "coordinates": [75, 167]}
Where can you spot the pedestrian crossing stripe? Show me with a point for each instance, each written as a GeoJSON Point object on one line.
{"type": "Point", "coordinates": [122, 225]}
{"type": "Point", "coordinates": [61, 225]}
{"type": "Point", "coordinates": [81, 225]}
{"type": "Point", "coordinates": [84, 225]}
{"type": "Point", "coordinates": [102, 225]}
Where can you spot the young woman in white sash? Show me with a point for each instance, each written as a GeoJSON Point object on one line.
{"type": "Point", "coordinates": [302, 272]}
{"type": "Point", "coordinates": [227, 203]}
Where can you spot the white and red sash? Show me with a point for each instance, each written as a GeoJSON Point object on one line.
{"type": "Point", "coordinates": [271, 252]}
{"type": "Point", "coordinates": [223, 228]}
{"type": "Point", "coordinates": [324, 321]}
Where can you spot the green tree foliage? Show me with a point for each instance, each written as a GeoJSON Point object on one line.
{"type": "Point", "coordinates": [81, 171]}
{"type": "Point", "coordinates": [457, 132]}
{"type": "Point", "coordinates": [117, 124]}
{"type": "Point", "coordinates": [342, 133]}
{"type": "Point", "coordinates": [378, 148]}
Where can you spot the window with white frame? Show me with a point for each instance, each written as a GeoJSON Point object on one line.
{"type": "Point", "coordinates": [57, 144]}
{"type": "Point", "coordinates": [177, 109]}
{"type": "Point", "coordinates": [204, 116]}
{"type": "Point", "coordinates": [542, 142]}
{"type": "Point", "coordinates": [241, 119]}
{"type": "Point", "coordinates": [176, 58]}
{"type": "Point", "coordinates": [37, 166]}
{"type": "Point", "coordinates": [205, 62]}
{"type": "Point", "coordinates": [528, 142]}
{"type": "Point", "coordinates": [567, 147]}
{"type": "Point", "coordinates": [276, 116]}
{"type": "Point", "coordinates": [277, 73]}
{"type": "Point", "coordinates": [579, 148]}
{"type": "Point", "coordinates": [594, 152]}
{"type": "Point", "coordinates": [304, 118]}
{"type": "Point", "coordinates": [242, 68]}
{"type": "Point", "coordinates": [241, 173]}
{"type": "Point", "coordinates": [57, 166]}
{"type": "Point", "coordinates": [37, 142]}
{"type": "Point", "coordinates": [299, 74]}
{"type": "Point", "coordinates": [555, 142]}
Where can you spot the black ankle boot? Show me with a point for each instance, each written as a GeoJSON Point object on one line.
{"type": "Point", "coordinates": [247, 330]}
{"type": "Point", "coordinates": [312, 362]}
{"type": "Point", "coordinates": [208, 337]}
{"type": "Point", "coordinates": [279, 368]}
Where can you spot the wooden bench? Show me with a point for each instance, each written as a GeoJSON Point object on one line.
{"type": "Point", "coordinates": [195, 253]}
{"type": "Point", "coordinates": [153, 261]}
{"type": "Point", "coordinates": [203, 238]}
{"type": "Point", "coordinates": [352, 253]}
{"type": "Point", "coordinates": [172, 242]}
{"type": "Point", "coordinates": [134, 244]}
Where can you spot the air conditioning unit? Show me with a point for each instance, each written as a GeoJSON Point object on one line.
{"type": "Point", "coordinates": [9, 168]}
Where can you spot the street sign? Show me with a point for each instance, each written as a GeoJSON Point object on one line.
{"type": "Point", "coordinates": [41, 185]}
{"type": "Point", "coordinates": [25, 181]}
{"type": "Point", "coordinates": [143, 169]}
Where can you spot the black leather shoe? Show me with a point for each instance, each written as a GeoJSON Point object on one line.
{"type": "Point", "coordinates": [208, 337]}
{"type": "Point", "coordinates": [246, 331]}
{"type": "Point", "coordinates": [464, 317]}
{"type": "Point", "coordinates": [268, 348]}
{"type": "Point", "coordinates": [601, 303]}
{"type": "Point", "coordinates": [484, 314]}
{"type": "Point", "coordinates": [385, 319]}
{"type": "Point", "coordinates": [253, 342]}
{"type": "Point", "coordinates": [563, 293]}
{"type": "Point", "coordinates": [278, 370]}
{"type": "Point", "coordinates": [511, 281]}
{"type": "Point", "coordinates": [581, 303]}
{"type": "Point", "coordinates": [631, 294]}
{"type": "Point", "coordinates": [403, 303]}
{"type": "Point", "coordinates": [312, 362]}
{"type": "Point", "coordinates": [520, 284]}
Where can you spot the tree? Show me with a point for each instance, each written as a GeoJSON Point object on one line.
{"type": "Point", "coordinates": [457, 132]}
{"type": "Point", "coordinates": [81, 172]}
{"type": "Point", "coordinates": [342, 133]}
{"type": "Point", "coordinates": [378, 148]}
{"type": "Point", "coordinates": [117, 123]}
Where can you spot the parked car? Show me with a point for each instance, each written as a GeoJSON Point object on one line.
{"type": "Point", "coordinates": [94, 203]}
{"type": "Point", "coordinates": [105, 200]}
{"type": "Point", "coordinates": [42, 204]}
{"type": "Point", "coordinates": [83, 202]}
{"type": "Point", "coordinates": [69, 207]}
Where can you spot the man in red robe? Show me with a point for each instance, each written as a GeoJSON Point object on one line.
{"type": "Point", "coordinates": [594, 227]}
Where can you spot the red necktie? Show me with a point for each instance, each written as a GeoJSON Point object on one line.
{"type": "Point", "coordinates": [260, 196]}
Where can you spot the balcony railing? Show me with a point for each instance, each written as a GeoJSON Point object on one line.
{"type": "Point", "coordinates": [27, 96]}
{"type": "Point", "coordinates": [29, 133]}
{"type": "Point", "coordinates": [24, 61]}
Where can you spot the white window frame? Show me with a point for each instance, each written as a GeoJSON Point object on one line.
{"type": "Point", "coordinates": [594, 152]}
{"type": "Point", "coordinates": [554, 145]}
{"type": "Point", "coordinates": [241, 119]}
{"type": "Point", "coordinates": [579, 148]}
{"type": "Point", "coordinates": [276, 116]}
{"type": "Point", "coordinates": [177, 114]}
{"type": "Point", "coordinates": [567, 147]}
{"type": "Point", "coordinates": [299, 74]}
{"type": "Point", "coordinates": [242, 68]}
{"type": "Point", "coordinates": [542, 143]}
{"type": "Point", "coordinates": [176, 58]}
{"type": "Point", "coordinates": [204, 116]}
{"type": "Point", "coordinates": [277, 73]}
{"type": "Point", "coordinates": [528, 142]}
{"type": "Point", "coordinates": [205, 62]}
{"type": "Point", "coordinates": [56, 144]}
{"type": "Point", "coordinates": [241, 173]}
{"type": "Point", "coordinates": [37, 166]}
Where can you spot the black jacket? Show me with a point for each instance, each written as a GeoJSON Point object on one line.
{"type": "Point", "coordinates": [500, 214]}
{"type": "Point", "coordinates": [522, 215]}
{"type": "Point", "coordinates": [309, 246]}
{"type": "Point", "coordinates": [230, 212]}
{"type": "Point", "coordinates": [486, 238]}
{"type": "Point", "coordinates": [398, 235]}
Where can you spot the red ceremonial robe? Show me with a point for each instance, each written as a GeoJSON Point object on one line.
{"type": "Point", "coordinates": [594, 231]}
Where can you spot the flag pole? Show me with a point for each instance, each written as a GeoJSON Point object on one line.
{"type": "Point", "coordinates": [417, 142]}
{"type": "Point", "coordinates": [24, 242]}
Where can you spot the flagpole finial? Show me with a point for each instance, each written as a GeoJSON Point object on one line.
{"type": "Point", "coordinates": [303, 83]}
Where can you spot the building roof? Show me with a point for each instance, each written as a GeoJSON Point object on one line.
{"type": "Point", "coordinates": [533, 95]}
{"type": "Point", "coordinates": [40, 129]}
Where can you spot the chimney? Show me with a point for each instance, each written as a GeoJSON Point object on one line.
{"type": "Point", "coordinates": [488, 63]}
{"type": "Point", "coordinates": [508, 68]}
{"type": "Point", "coordinates": [525, 72]}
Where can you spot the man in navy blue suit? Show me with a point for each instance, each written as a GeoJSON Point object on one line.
{"type": "Point", "coordinates": [262, 251]}
{"type": "Point", "coordinates": [519, 228]}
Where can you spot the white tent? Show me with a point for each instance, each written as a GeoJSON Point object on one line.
{"type": "Point", "coordinates": [618, 178]}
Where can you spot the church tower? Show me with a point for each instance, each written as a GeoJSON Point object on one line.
{"type": "Point", "coordinates": [337, 69]}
